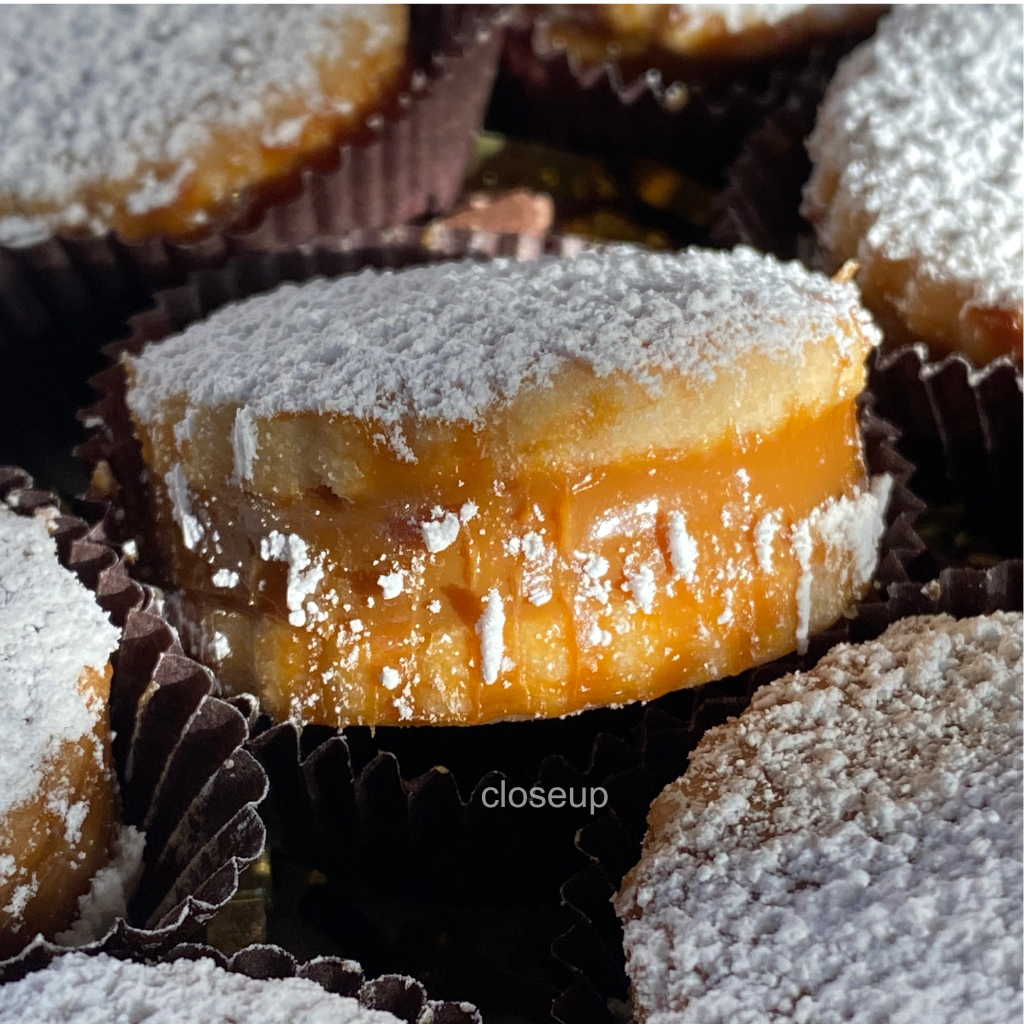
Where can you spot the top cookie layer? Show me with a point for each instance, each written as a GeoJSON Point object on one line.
{"type": "Point", "coordinates": [115, 92]}
{"type": "Point", "coordinates": [863, 821]}
{"type": "Point", "coordinates": [919, 145]}
{"type": "Point", "coordinates": [452, 343]}
{"type": "Point", "coordinates": [51, 630]}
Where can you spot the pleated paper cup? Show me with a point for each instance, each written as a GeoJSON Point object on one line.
{"type": "Point", "coordinates": [184, 777]}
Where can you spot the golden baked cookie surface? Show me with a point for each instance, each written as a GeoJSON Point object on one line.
{"type": "Point", "coordinates": [474, 492]}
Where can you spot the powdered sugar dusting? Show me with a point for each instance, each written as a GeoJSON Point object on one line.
{"type": "Point", "coordinates": [849, 849]}
{"type": "Point", "coordinates": [643, 587]}
{"type": "Point", "coordinates": [110, 890]}
{"type": "Point", "coordinates": [451, 341]}
{"type": "Point", "coordinates": [51, 630]}
{"type": "Point", "coordinates": [924, 127]}
{"type": "Point", "coordinates": [682, 547]}
{"type": "Point", "coordinates": [304, 571]}
{"type": "Point", "coordinates": [491, 630]}
{"type": "Point", "coordinates": [737, 17]}
{"type": "Point", "coordinates": [764, 536]}
{"type": "Point", "coordinates": [81, 989]}
{"type": "Point", "coordinates": [852, 525]}
{"type": "Point", "coordinates": [245, 445]}
{"type": "Point", "coordinates": [181, 506]}
{"type": "Point", "coordinates": [803, 549]}
{"type": "Point", "coordinates": [440, 532]}
{"type": "Point", "coordinates": [123, 93]}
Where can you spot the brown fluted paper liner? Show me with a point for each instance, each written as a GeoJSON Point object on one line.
{"type": "Point", "coordinates": [962, 428]}
{"type": "Point", "coordinates": [403, 997]}
{"type": "Point", "coordinates": [694, 122]}
{"type": "Point", "coordinates": [413, 166]}
{"type": "Point", "coordinates": [760, 204]}
{"type": "Point", "coordinates": [184, 778]}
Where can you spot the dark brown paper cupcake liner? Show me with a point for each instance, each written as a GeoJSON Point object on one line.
{"type": "Point", "coordinates": [183, 776]}
{"type": "Point", "coordinates": [760, 203]}
{"type": "Point", "coordinates": [962, 428]}
{"type": "Point", "coordinates": [412, 167]}
{"type": "Point", "coordinates": [695, 124]}
{"type": "Point", "coordinates": [401, 996]}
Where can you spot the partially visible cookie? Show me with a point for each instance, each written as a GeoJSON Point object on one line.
{"type": "Point", "coordinates": [593, 32]}
{"type": "Point", "coordinates": [154, 120]}
{"type": "Point", "coordinates": [850, 848]}
{"type": "Point", "coordinates": [81, 989]}
{"type": "Point", "coordinates": [58, 803]}
{"type": "Point", "coordinates": [919, 176]}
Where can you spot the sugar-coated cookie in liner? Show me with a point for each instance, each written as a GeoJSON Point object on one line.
{"type": "Point", "coordinates": [167, 120]}
{"type": "Point", "coordinates": [500, 451]}
{"type": "Point", "coordinates": [58, 799]}
{"type": "Point", "coordinates": [473, 492]}
{"type": "Point", "coordinates": [849, 848]}
{"type": "Point", "coordinates": [129, 807]}
{"type": "Point", "coordinates": [918, 175]}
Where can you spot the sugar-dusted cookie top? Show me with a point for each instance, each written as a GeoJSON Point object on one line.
{"type": "Point", "coordinates": [918, 149]}
{"type": "Point", "coordinates": [456, 341]}
{"type": "Point", "coordinates": [51, 632]}
{"type": "Point", "coordinates": [850, 848]}
{"type": "Point", "coordinates": [81, 989]}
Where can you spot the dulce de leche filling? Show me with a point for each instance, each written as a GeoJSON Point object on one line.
{"type": "Point", "coordinates": [465, 588]}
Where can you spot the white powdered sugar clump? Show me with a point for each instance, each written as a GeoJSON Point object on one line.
{"type": "Point", "coordinates": [81, 989]}
{"type": "Point", "coordinates": [304, 571]}
{"type": "Point", "coordinates": [452, 341]}
{"type": "Point", "coordinates": [924, 126]}
{"type": "Point", "coordinates": [682, 548]}
{"type": "Point", "coordinates": [848, 850]}
{"type": "Point", "coordinates": [490, 628]}
{"type": "Point", "coordinates": [125, 93]}
{"type": "Point", "coordinates": [110, 890]}
{"type": "Point", "coordinates": [51, 631]}
{"type": "Point", "coordinates": [736, 17]}
{"type": "Point", "coordinates": [441, 531]}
